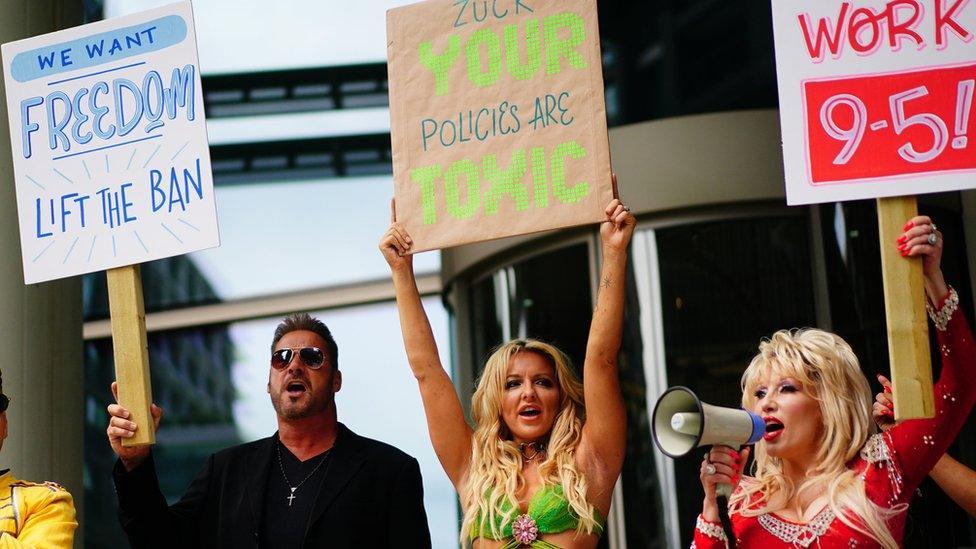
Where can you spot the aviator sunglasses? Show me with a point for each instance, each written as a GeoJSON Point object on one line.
{"type": "Point", "coordinates": [312, 357]}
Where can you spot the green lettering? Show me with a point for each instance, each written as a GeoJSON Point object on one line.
{"type": "Point", "coordinates": [572, 149]}
{"type": "Point", "coordinates": [516, 68]}
{"type": "Point", "coordinates": [541, 190]}
{"type": "Point", "coordinates": [452, 189]}
{"type": "Point", "coordinates": [492, 52]}
{"type": "Point", "coordinates": [425, 177]}
{"type": "Point", "coordinates": [505, 182]}
{"type": "Point", "coordinates": [440, 65]}
{"type": "Point", "coordinates": [557, 47]}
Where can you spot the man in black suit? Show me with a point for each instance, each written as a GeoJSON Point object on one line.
{"type": "Point", "coordinates": [314, 483]}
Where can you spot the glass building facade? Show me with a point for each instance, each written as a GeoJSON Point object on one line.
{"type": "Point", "coordinates": [299, 129]}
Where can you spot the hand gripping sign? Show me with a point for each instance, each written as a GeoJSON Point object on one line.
{"type": "Point", "coordinates": [111, 163]}
{"type": "Point", "coordinates": [876, 101]}
{"type": "Point", "coordinates": [497, 118]}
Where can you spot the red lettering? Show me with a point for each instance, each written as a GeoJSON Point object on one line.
{"type": "Point", "coordinates": [944, 22]}
{"type": "Point", "coordinates": [863, 18]}
{"type": "Point", "coordinates": [815, 46]}
{"type": "Point", "coordinates": [906, 28]}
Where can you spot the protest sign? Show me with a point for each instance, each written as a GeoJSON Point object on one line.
{"type": "Point", "coordinates": [876, 97]}
{"type": "Point", "coordinates": [876, 101]}
{"type": "Point", "coordinates": [111, 165]}
{"type": "Point", "coordinates": [110, 153]}
{"type": "Point", "coordinates": [497, 118]}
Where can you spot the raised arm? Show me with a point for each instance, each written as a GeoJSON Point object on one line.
{"type": "Point", "coordinates": [918, 444]}
{"type": "Point", "coordinates": [955, 479]}
{"type": "Point", "coordinates": [605, 431]}
{"type": "Point", "coordinates": [449, 432]}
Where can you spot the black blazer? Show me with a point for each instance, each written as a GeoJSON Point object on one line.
{"type": "Point", "coordinates": [371, 497]}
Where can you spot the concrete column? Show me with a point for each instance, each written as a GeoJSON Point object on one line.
{"type": "Point", "coordinates": [40, 340]}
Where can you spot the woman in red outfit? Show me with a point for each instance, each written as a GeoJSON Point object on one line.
{"type": "Point", "coordinates": [822, 478]}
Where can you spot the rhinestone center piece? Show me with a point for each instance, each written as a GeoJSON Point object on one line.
{"type": "Point", "coordinates": [524, 529]}
{"type": "Point", "coordinates": [799, 535]}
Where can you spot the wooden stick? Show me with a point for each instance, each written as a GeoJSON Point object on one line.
{"type": "Point", "coordinates": [908, 329]}
{"type": "Point", "coordinates": [131, 350]}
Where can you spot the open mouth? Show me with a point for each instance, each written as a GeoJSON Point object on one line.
{"type": "Point", "coordinates": [530, 412]}
{"type": "Point", "coordinates": [773, 428]}
{"type": "Point", "coordinates": [296, 388]}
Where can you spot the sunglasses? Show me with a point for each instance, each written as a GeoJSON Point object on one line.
{"type": "Point", "coordinates": [312, 357]}
{"type": "Point", "coordinates": [4, 402]}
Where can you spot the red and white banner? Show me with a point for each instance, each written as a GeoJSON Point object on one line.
{"type": "Point", "coordinates": [876, 98]}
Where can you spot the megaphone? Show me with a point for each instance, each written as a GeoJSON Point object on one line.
{"type": "Point", "coordinates": [682, 422]}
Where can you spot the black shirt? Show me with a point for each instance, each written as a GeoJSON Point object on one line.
{"type": "Point", "coordinates": [285, 519]}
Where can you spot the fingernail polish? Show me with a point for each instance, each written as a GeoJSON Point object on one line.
{"type": "Point", "coordinates": [891, 406]}
{"type": "Point", "coordinates": [901, 239]}
{"type": "Point", "coordinates": [887, 389]}
{"type": "Point", "coordinates": [904, 253]}
{"type": "Point", "coordinates": [908, 225]}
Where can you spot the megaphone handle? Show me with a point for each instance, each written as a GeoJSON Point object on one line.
{"type": "Point", "coordinates": [723, 492]}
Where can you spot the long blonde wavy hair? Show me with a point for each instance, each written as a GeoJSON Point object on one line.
{"type": "Point", "coordinates": [826, 367]}
{"type": "Point", "coordinates": [495, 474]}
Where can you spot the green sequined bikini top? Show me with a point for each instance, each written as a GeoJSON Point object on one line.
{"type": "Point", "coordinates": [548, 513]}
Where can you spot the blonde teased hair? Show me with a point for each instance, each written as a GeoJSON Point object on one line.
{"type": "Point", "coordinates": [495, 473]}
{"type": "Point", "coordinates": [826, 367]}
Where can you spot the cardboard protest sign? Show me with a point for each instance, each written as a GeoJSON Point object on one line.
{"type": "Point", "coordinates": [497, 118]}
{"type": "Point", "coordinates": [109, 139]}
{"type": "Point", "coordinates": [876, 97]}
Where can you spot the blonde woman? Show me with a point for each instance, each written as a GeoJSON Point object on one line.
{"type": "Point", "coordinates": [822, 478]}
{"type": "Point", "coordinates": [538, 469]}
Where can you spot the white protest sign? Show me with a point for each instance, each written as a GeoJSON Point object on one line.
{"type": "Point", "coordinates": [876, 97]}
{"type": "Point", "coordinates": [109, 142]}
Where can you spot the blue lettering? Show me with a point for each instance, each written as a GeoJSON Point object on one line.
{"type": "Point", "coordinates": [120, 84]}
{"type": "Point", "coordinates": [126, 204]}
{"type": "Point", "coordinates": [28, 127]}
{"type": "Point", "coordinates": [39, 233]}
{"type": "Point", "coordinates": [48, 61]}
{"type": "Point", "coordinates": [82, 118]}
{"type": "Point", "coordinates": [66, 57]}
{"type": "Point", "coordinates": [153, 79]}
{"type": "Point", "coordinates": [64, 211]}
{"type": "Point", "coordinates": [155, 178]}
{"type": "Point", "coordinates": [55, 127]}
{"type": "Point", "coordinates": [181, 92]}
{"type": "Point", "coordinates": [95, 49]}
{"type": "Point", "coordinates": [99, 112]}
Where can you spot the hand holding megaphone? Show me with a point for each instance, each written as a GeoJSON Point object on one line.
{"type": "Point", "coordinates": [682, 423]}
{"type": "Point", "coordinates": [721, 470]}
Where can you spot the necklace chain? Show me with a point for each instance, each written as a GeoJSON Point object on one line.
{"type": "Point", "coordinates": [291, 496]}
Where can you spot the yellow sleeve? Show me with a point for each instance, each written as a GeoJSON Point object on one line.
{"type": "Point", "coordinates": [50, 524]}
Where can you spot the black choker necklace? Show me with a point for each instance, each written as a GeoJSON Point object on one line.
{"type": "Point", "coordinates": [531, 450]}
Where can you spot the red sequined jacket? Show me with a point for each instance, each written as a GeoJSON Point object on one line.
{"type": "Point", "coordinates": [892, 463]}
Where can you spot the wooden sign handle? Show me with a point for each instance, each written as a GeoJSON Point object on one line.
{"type": "Point", "coordinates": [131, 350]}
{"type": "Point", "coordinates": [908, 329]}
